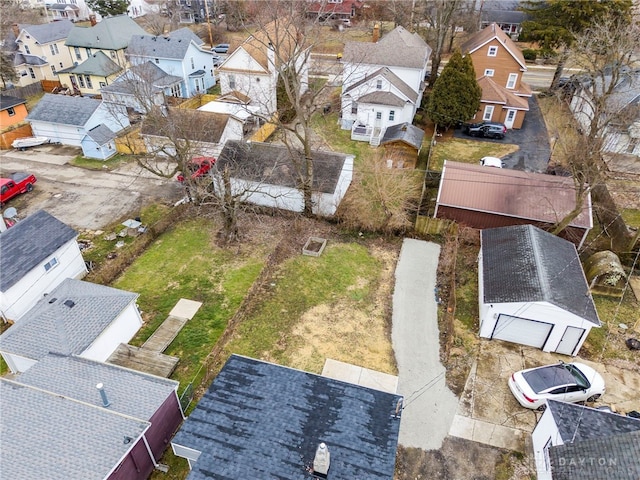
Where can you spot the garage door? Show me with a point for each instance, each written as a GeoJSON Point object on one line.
{"type": "Point", "coordinates": [521, 330]}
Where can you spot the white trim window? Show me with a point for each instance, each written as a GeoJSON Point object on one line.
{"type": "Point", "coordinates": [392, 115]}
{"type": "Point", "coordinates": [488, 113]}
{"type": "Point", "coordinates": [489, 72]}
{"type": "Point", "coordinates": [379, 84]}
{"type": "Point", "coordinates": [51, 264]}
{"type": "Point", "coordinates": [511, 82]}
{"type": "Point", "coordinates": [493, 51]}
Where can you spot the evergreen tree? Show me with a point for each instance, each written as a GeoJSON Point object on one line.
{"type": "Point", "coordinates": [456, 94]}
{"type": "Point", "coordinates": [7, 72]}
{"type": "Point", "coordinates": [108, 7]}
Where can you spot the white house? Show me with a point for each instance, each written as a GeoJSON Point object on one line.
{"type": "Point", "coordinates": [179, 54]}
{"type": "Point", "coordinates": [75, 318]}
{"type": "Point", "coordinates": [254, 67]}
{"type": "Point", "coordinates": [370, 93]}
{"type": "Point", "coordinates": [67, 119]}
{"type": "Point", "coordinates": [266, 173]}
{"type": "Point", "coordinates": [36, 255]}
{"type": "Point", "coordinates": [576, 442]}
{"type": "Point", "coordinates": [532, 290]}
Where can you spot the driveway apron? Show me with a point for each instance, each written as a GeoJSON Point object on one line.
{"type": "Point", "coordinates": [429, 405]}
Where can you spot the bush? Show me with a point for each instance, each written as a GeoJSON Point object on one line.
{"type": "Point", "coordinates": [530, 54]}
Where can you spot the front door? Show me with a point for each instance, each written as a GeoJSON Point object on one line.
{"type": "Point", "coordinates": [511, 116]}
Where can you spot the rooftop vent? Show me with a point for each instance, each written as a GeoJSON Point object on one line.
{"type": "Point", "coordinates": [103, 395]}
{"type": "Point", "coordinates": [321, 461]}
{"type": "Point", "coordinates": [69, 303]}
{"type": "Point", "coordinates": [53, 300]}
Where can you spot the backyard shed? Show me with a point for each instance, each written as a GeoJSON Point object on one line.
{"type": "Point", "coordinates": [532, 290]}
{"type": "Point", "coordinates": [402, 144]}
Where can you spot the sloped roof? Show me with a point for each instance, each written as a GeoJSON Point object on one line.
{"type": "Point", "coordinates": [503, 16]}
{"type": "Point", "coordinates": [404, 132]}
{"type": "Point", "coordinates": [28, 243]}
{"type": "Point", "coordinates": [488, 34]}
{"type": "Point", "coordinates": [67, 320]}
{"type": "Point", "coordinates": [167, 47]}
{"type": "Point", "coordinates": [44, 435]}
{"type": "Point", "coordinates": [392, 78]}
{"type": "Point", "coordinates": [101, 134]}
{"type": "Point", "coordinates": [48, 32]}
{"type": "Point", "coordinates": [186, 34]}
{"type": "Point", "coordinates": [523, 263]}
{"type": "Point", "coordinates": [64, 109]}
{"type": "Point", "coordinates": [7, 101]}
{"type": "Point", "coordinates": [25, 59]}
{"type": "Point", "coordinates": [147, 72]}
{"type": "Point", "coordinates": [260, 420]}
{"type": "Point", "coordinates": [210, 126]}
{"type": "Point", "coordinates": [494, 93]}
{"type": "Point", "coordinates": [97, 64]}
{"type": "Point", "coordinates": [382, 98]}
{"type": "Point", "coordinates": [398, 48]}
{"type": "Point", "coordinates": [112, 33]}
{"type": "Point", "coordinates": [130, 392]}
{"type": "Point", "coordinates": [532, 196]}
{"type": "Point", "coordinates": [271, 164]}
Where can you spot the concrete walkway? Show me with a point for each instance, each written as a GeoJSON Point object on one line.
{"type": "Point", "coordinates": [429, 405]}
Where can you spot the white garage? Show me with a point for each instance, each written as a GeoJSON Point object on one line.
{"type": "Point", "coordinates": [533, 291]}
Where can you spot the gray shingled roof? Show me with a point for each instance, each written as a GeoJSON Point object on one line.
{"type": "Point", "coordinates": [186, 34]}
{"type": "Point", "coordinates": [382, 98]}
{"type": "Point", "coordinates": [523, 263]}
{"type": "Point", "coordinates": [404, 132]}
{"type": "Point", "coordinates": [616, 457]}
{"type": "Point", "coordinates": [101, 134]}
{"type": "Point", "coordinates": [28, 243]}
{"type": "Point", "coordinates": [260, 420]}
{"type": "Point", "coordinates": [7, 101]}
{"type": "Point", "coordinates": [398, 48]}
{"type": "Point", "coordinates": [112, 33]}
{"type": "Point", "coordinates": [44, 435]}
{"type": "Point", "coordinates": [577, 423]}
{"type": "Point", "coordinates": [67, 320]}
{"type": "Point", "coordinates": [393, 79]}
{"type": "Point", "coordinates": [48, 32]}
{"type": "Point", "coordinates": [132, 393]}
{"type": "Point", "coordinates": [271, 164]}
{"type": "Point", "coordinates": [174, 48]}
{"type": "Point", "coordinates": [97, 64]}
{"type": "Point", "coordinates": [24, 59]}
{"type": "Point", "coordinates": [64, 109]}
{"type": "Point", "coordinates": [147, 72]}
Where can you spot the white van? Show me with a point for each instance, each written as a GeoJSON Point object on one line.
{"type": "Point", "coordinates": [492, 162]}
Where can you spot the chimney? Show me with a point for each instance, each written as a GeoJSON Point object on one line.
{"type": "Point", "coordinates": [376, 33]}
{"type": "Point", "coordinates": [321, 461]}
{"type": "Point", "coordinates": [16, 29]}
{"type": "Point", "coordinates": [92, 19]}
{"type": "Point", "coordinates": [105, 400]}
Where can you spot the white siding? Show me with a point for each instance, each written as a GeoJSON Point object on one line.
{"type": "Point", "coordinates": [121, 330]}
{"type": "Point", "coordinates": [18, 364]}
{"type": "Point", "coordinates": [544, 431]}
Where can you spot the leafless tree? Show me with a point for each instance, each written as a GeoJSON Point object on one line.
{"type": "Point", "coordinates": [15, 11]}
{"type": "Point", "coordinates": [158, 23]}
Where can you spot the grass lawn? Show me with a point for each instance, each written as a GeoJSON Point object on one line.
{"type": "Point", "coordinates": [328, 128]}
{"type": "Point", "coordinates": [466, 151]}
{"type": "Point", "coordinates": [93, 164]}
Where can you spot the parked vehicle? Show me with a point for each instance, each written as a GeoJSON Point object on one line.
{"type": "Point", "coordinates": [217, 60]}
{"type": "Point", "coordinates": [485, 129]}
{"type": "Point", "coordinates": [492, 162]}
{"type": "Point", "coordinates": [566, 382]}
{"type": "Point", "coordinates": [197, 167]}
{"type": "Point", "coordinates": [221, 48]}
{"type": "Point", "coordinates": [15, 184]}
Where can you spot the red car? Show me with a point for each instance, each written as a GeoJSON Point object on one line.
{"type": "Point", "coordinates": [16, 183]}
{"type": "Point", "coordinates": [198, 167]}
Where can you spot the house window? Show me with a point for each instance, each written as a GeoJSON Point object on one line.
{"type": "Point", "coordinates": [545, 452]}
{"type": "Point", "coordinates": [157, 60]}
{"type": "Point", "coordinates": [32, 73]}
{"type": "Point", "coordinates": [102, 84]}
{"type": "Point", "coordinates": [493, 51]}
{"type": "Point", "coordinates": [488, 113]}
{"type": "Point", "coordinates": [175, 91]}
{"type": "Point", "coordinates": [354, 108]}
{"type": "Point", "coordinates": [61, 65]}
{"type": "Point", "coordinates": [392, 115]}
{"type": "Point", "coordinates": [379, 84]}
{"type": "Point", "coordinates": [113, 54]}
{"type": "Point", "coordinates": [511, 82]}
{"type": "Point", "coordinates": [53, 70]}
{"type": "Point", "coordinates": [81, 81]}
{"type": "Point", "coordinates": [633, 143]}
{"type": "Point", "coordinates": [26, 49]}
{"type": "Point", "coordinates": [88, 79]}
{"type": "Point", "coordinates": [88, 52]}
{"type": "Point", "coordinates": [76, 50]}
{"type": "Point", "coordinates": [53, 48]}
{"type": "Point", "coordinates": [489, 72]}
{"type": "Point", "coordinates": [193, 65]}
{"type": "Point", "coordinates": [378, 115]}
{"type": "Point", "coordinates": [50, 264]}
{"type": "Point", "coordinates": [232, 82]}
{"type": "Point", "coordinates": [11, 111]}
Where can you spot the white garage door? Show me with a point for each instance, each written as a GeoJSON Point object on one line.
{"type": "Point", "coordinates": [521, 330]}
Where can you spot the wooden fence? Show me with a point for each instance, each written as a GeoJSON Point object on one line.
{"type": "Point", "coordinates": [265, 131]}
{"type": "Point", "coordinates": [435, 226]}
{"type": "Point", "coordinates": [24, 92]}
{"type": "Point", "coordinates": [197, 101]}
{"type": "Point", "coordinates": [131, 143]}
{"type": "Point", "coordinates": [7, 138]}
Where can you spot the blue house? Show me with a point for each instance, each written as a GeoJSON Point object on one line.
{"type": "Point", "coordinates": [178, 54]}
{"type": "Point", "coordinates": [99, 142]}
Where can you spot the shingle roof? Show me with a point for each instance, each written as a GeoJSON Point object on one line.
{"type": "Point", "coordinates": [494, 93]}
{"type": "Point", "coordinates": [101, 134]}
{"type": "Point", "coordinates": [532, 196]}
{"type": "Point", "coordinates": [97, 64]}
{"type": "Point", "coordinates": [7, 101]}
{"type": "Point", "coordinates": [24, 59]}
{"type": "Point", "coordinates": [393, 79]}
{"type": "Point", "coordinates": [28, 243]}
{"type": "Point", "coordinates": [186, 34]}
{"type": "Point", "coordinates": [130, 392]}
{"type": "Point", "coordinates": [523, 263]}
{"type": "Point", "coordinates": [147, 72]}
{"type": "Point", "coordinates": [404, 132]}
{"type": "Point", "coordinates": [64, 109]}
{"type": "Point", "coordinates": [48, 32]}
{"type": "Point", "coordinates": [503, 16]}
{"type": "Point", "coordinates": [398, 48]}
{"type": "Point", "coordinates": [271, 164]}
{"type": "Point", "coordinates": [206, 127]}
{"type": "Point", "coordinates": [112, 33]}
{"type": "Point", "coordinates": [577, 423]}
{"type": "Point", "coordinates": [167, 47]}
{"type": "Point", "coordinates": [260, 420]}
{"type": "Point", "coordinates": [488, 34]}
{"type": "Point", "coordinates": [67, 320]}
{"type": "Point", "coordinates": [615, 457]}
{"type": "Point", "coordinates": [44, 435]}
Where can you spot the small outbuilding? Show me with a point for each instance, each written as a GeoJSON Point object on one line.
{"type": "Point", "coordinates": [532, 290]}
{"type": "Point", "coordinates": [402, 144]}
{"type": "Point", "coordinates": [99, 143]}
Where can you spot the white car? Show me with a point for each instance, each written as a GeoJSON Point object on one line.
{"type": "Point", "coordinates": [566, 382]}
{"type": "Point", "coordinates": [492, 162]}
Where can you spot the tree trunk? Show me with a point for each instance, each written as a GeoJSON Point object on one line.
{"type": "Point", "coordinates": [307, 176]}
{"type": "Point", "coordinates": [559, 70]}
{"type": "Point", "coordinates": [435, 65]}
{"type": "Point", "coordinates": [229, 210]}
{"type": "Point", "coordinates": [611, 220]}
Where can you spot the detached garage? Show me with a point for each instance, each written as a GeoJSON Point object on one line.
{"type": "Point", "coordinates": [532, 290]}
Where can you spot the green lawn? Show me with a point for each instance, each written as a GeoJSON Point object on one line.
{"type": "Point", "coordinates": [467, 151]}
{"type": "Point", "coordinates": [339, 140]}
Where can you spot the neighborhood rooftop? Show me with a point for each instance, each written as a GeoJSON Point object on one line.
{"type": "Point", "coordinates": [111, 33]}
{"type": "Point", "coordinates": [64, 109]}
{"type": "Point", "coordinates": [48, 32]}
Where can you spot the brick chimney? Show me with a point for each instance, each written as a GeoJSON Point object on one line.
{"type": "Point", "coordinates": [16, 29]}
{"type": "Point", "coordinates": [376, 33]}
{"type": "Point", "coordinates": [92, 19]}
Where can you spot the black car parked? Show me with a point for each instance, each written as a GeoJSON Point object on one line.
{"type": "Point", "coordinates": [485, 129]}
